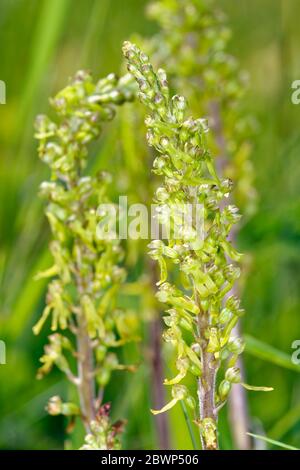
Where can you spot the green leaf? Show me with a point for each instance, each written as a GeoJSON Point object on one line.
{"type": "Point", "coordinates": [268, 353]}
{"type": "Point", "coordinates": [286, 423]}
{"type": "Point", "coordinates": [50, 26]}
{"type": "Point", "coordinates": [272, 442]}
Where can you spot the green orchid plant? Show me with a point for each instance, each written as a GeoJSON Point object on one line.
{"type": "Point", "coordinates": [201, 68]}
{"type": "Point", "coordinates": [195, 161]}
{"type": "Point", "coordinates": [86, 323]}
{"type": "Point", "coordinates": [200, 318]}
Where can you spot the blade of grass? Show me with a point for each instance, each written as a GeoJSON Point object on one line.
{"type": "Point", "coordinates": [268, 353]}
{"type": "Point", "coordinates": [272, 442]}
{"type": "Point", "coordinates": [286, 423]}
{"type": "Point", "coordinates": [98, 17]}
{"type": "Point", "coordinates": [28, 297]}
{"type": "Point", "coordinates": [47, 33]}
{"type": "Point", "coordinates": [189, 426]}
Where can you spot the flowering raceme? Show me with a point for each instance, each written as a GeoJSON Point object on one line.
{"type": "Point", "coordinates": [201, 67]}
{"type": "Point", "coordinates": [87, 271]}
{"type": "Point", "coordinates": [197, 162]}
{"type": "Point", "coordinates": [193, 40]}
{"type": "Point", "coordinates": [200, 319]}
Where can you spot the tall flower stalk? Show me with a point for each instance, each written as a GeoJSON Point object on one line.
{"type": "Point", "coordinates": [137, 158]}
{"type": "Point", "coordinates": [85, 322]}
{"type": "Point", "coordinates": [193, 40]}
{"type": "Point", "coordinates": [199, 322]}
{"type": "Point", "coordinates": [198, 271]}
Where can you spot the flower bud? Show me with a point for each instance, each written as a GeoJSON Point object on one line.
{"type": "Point", "coordinates": [190, 402]}
{"type": "Point", "coordinates": [240, 312]}
{"type": "Point", "coordinates": [159, 164]}
{"type": "Point", "coordinates": [196, 348]}
{"type": "Point", "coordinates": [101, 353]}
{"type": "Point", "coordinates": [103, 376]}
{"type": "Point", "coordinates": [179, 106]}
{"type": "Point", "coordinates": [226, 186]}
{"type": "Point", "coordinates": [162, 194]}
{"type": "Point", "coordinates": [218, 279]}
{"type": "Point", "coordinates": [232, 272]}
{"type": "Point", "coordinates": [232, 303]}
{"type": "Point", "coordinates": [164, 142]}
{"type": "Point", "coordinates": [225, 315]}
{"type": "Point", "coordinates": [195, 370]}
{"type": "Point", "coordinates": [187, 325]}
{"type": "Point", "coordinates": [231, 214]}
{"type": "Point", "coordinates": [233, 375]}
{"type": "Point", "coordinates": [54, 406]}
{"type": "Point", "coordinates": [212, 204]}
{"type": "Point", "coordinates": [224, 389]}
{"type": "Point", "coordinates": [236, 345]}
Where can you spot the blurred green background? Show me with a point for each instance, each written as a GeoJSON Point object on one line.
{"type": "Point", "coordinates": [43, 42]}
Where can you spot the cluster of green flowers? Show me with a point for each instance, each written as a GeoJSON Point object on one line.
{"type": "Point", "coordinates": [201, 317]}
{"type": "Point", "coordinates": [197, 270]}
{"type": "Point", "coordinates": [200, 67]}
{"type": "Point", "coordinates": [81, 298]}
{"type": "Point", "coordinates": [193, 40]}
{"type": "Point", "coordinates": [103, 435]}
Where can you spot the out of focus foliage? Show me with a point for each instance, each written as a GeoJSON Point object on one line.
{"type": "Point", "coordinates": [36, 57]}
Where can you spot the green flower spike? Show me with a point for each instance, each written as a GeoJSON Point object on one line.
{"type": "Point", "coordinates": [87, 269]}
{"type": "Point", "coordinates": [189, 176]}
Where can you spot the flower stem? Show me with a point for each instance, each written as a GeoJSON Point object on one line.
{"type": "Point", "coordinates": [158, 391]}
{"type": "Point", "coordinates": [206, 392]}
{"type": "Point", "coordinates": [86, 388]}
